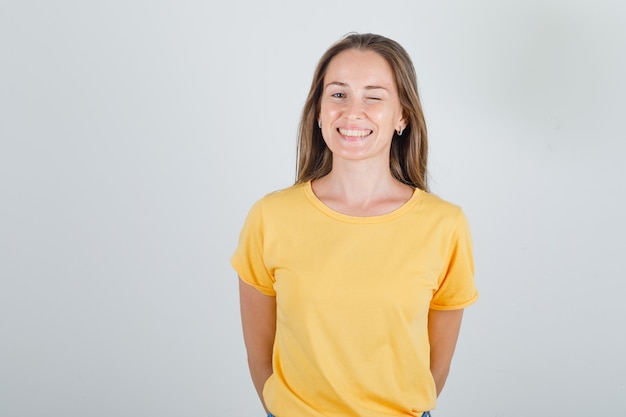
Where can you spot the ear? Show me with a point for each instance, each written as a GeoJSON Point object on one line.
{"type": "Point", "coordinates": [403, 123]}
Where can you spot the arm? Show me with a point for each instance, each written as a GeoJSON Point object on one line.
{"type": "Point", "coordinates": [258, 317]}
{"type": "Point", "coordinates": [443, 332]}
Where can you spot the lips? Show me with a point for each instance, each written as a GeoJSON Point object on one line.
{"type": "Point", "coordinates": [355, 133]}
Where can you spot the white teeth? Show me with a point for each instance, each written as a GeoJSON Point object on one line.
{"type": "Point", "coordinates": [355, 133]}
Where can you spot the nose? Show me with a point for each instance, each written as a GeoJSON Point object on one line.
{"type": "Point", "coordinates": [354, 111]}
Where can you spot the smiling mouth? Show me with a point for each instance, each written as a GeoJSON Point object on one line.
{"type": "Point", "coordinates": [354, 133]}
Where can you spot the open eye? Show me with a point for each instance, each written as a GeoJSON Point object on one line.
{"type": "Point", "coordinates": [338, 95]}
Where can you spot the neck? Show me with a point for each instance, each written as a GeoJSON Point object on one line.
{"type": "Point", "coordinates": [360, 183]}
{"type": "Point", "coordinates": [361, 189]}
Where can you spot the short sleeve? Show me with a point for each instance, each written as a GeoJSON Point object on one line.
{"type": "Point", "coordinates": [456, 288]}
{"type": "Point", "coordinates": [248, 259]}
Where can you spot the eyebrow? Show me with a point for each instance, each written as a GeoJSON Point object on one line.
{"type": "Point", "coordinates": [367, 87]}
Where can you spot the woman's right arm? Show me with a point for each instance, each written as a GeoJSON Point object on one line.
{"type": "Point", "coordinates": [258, 317]}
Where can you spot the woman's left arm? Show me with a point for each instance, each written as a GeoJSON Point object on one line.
{"type": "Point", "coordinates": [443, 332]}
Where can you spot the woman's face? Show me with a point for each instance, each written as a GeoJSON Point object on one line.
{"type": "Point", "coordinates": [360, 108]}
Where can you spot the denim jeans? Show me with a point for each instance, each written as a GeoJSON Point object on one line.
{"type": "Point", "coordinates": [426, 414]}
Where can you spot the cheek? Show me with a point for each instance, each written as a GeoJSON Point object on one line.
{"type": "Point", "coordinates": [381, 117]}
{"type": "Point", "coordinates": [389, 117]}
{"type": "Point", "coordinates": [329, 111]}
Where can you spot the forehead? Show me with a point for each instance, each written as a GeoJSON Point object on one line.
{"type": "Point", "coordinates": [355, 66]}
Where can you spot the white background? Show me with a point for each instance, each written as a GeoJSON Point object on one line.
{"type": "Point", "coordinates": [135, 135]}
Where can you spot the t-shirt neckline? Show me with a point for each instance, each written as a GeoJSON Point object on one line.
{"type": "Point", "coordinates": [319, 205]}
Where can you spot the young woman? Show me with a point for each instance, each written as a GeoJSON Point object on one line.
{"type": "Point", "coordinates": [353, 281]}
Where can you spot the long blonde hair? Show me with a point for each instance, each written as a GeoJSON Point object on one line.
{"type": "Point", "coordinates": [409, 152]}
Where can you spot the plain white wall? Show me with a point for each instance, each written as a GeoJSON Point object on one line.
{"type": "Point", "coordinates": [135, 135]}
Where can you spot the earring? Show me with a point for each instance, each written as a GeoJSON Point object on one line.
{"type": "Point", "coordinates": [400, 131]}
{"type": "Point", "coordinates": [319, 124]}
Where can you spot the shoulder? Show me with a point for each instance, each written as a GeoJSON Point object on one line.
{"type": "Point", "coordinates": [281, 201]}
{"type": "Point", "coordinates": [277, 210]}
{"type": "Point", "coordinates": [283, 195]}
{"type": "Point", "coordinates": [434, 203]}
{"type": "Point", "coordinates": [441, 212]}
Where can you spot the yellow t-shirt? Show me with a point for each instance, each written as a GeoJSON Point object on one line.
{"type": "Point", "coordinates": [353, 295]}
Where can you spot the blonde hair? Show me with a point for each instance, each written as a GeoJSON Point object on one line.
{"type": "Point", "coordinates": [409, 153]}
